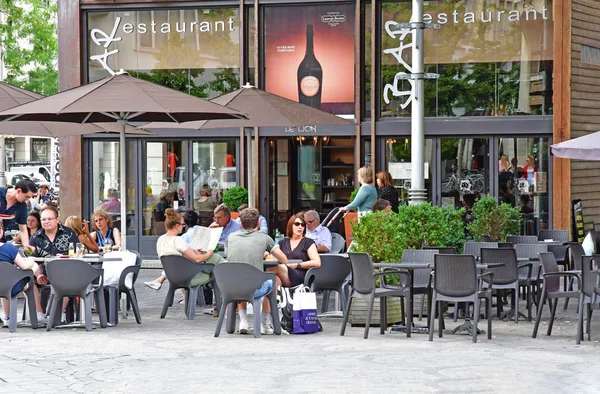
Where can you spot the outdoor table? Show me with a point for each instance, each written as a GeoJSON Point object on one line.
{"type": "Point", "coordinates": [467, 326]}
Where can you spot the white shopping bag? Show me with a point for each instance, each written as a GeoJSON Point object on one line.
{"type": "Point", "coordinates": [113, 269]}
{"type": "Point", "coordinates": [305, 312]}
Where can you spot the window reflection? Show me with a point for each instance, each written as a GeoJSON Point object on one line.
{"type": "Point", "coordinates": [523, 179]}
{"type": "Point", "coordinates": [398, 161]}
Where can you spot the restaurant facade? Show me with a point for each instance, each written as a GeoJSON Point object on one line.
{"type": "Point", "coordinates": [490, 114]}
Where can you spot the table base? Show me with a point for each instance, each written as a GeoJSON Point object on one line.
{"type": "Point", "coordinates": [467, 327]}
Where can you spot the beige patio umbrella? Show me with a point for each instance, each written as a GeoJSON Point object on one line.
{"type": "Point", "coordinates": [119, 99]}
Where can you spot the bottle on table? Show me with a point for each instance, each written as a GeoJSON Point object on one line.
{"type": "Point", "coordinates": [71, 249]}
{"type": "Point", "coordinates": [277, 236]}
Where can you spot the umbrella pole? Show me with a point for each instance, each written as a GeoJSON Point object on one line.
{"type": "Point", "coordinates": [250, 168]}
{"type": "Point", "coordinates": [123, 185]}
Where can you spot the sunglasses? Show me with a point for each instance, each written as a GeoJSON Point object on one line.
{"type": "Point", "coordinates": [299, 224]}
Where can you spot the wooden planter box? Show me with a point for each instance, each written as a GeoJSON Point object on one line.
{"type": "Point", "coordinates": [358, 312]}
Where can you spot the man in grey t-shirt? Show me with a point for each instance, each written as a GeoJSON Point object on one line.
{"type": "Point", "coordinates": [250, 246]}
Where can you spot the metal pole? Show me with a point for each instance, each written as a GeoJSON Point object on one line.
{"type": "Point", "coordinates": [418, 193]}
{"type": "Point", "coordinates": [123, 184]}
{"type": "Point", "coordinates": [250, 167]}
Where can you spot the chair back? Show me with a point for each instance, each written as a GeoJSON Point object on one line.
{"type": "Point", "coordinates": [442, 249]}
{"type": "Point", "coordinates": [363, 281]}
{"type": "Point", "coordinates": [421, 277]}
{"type": "Point", "coordinates": [505, 245]}
{"type": "Point", "coordinates": [589, 277]}
{"type": "Point", "coordinates": [10, 276]}
{"type": "Point", "coordinates": [474, 248]}
{"type": "Point", "coordinates": [160, 228]}
{"type": "Point", "coordinates": [205, 218]}
{"type": "Point", "coordinates": [487, 238]}
{"type": "Point", "coordinates": [530, 251]}
{"type": "Point", "coordinates": [576, 252]}
{"type": "Point", "coordinates": [551, 283]}
{"type": "Point", "coordinates": [239, 281]}
{"type": "Point", "coordinates": [180, 270]}
{"type": "Point", "coordinates": [560, 252]}
{"type": "Point", "coordinates": [71, 276]}
{"type": "Point", "coordinates": [333, 271]}
{"type": "Point", "coordinates": [455, 275]}
{"type": "Point", "coordinates": [338, 243]}
{"type": "Point", "coordinates": [522, 239]}
{"type": "Point", "coordinates": [555, 235]}
{"type": "Point", "coordinates": [508, 272]}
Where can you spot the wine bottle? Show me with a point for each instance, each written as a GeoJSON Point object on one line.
{"type": "Point", "coordinates": [310, 74]}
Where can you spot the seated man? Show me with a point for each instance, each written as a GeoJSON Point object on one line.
{"type": "Point", "coordinates": [321, 235]}
{"type": "Point", "coordinates": [52, 239]}
{"type": "Point", "coordinates": [222, 218]}
{"type": "Point", "coordinates": [263, 227]}
{"type": "Point", "coordinates": [381, 205]}
{"type": "Point", "coordinates": [249, 245]}
{"type": "Point", "coordinates": [10, 254]}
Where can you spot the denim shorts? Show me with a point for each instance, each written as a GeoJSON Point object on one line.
{"type": "Point", "coordinates": [19, 287]}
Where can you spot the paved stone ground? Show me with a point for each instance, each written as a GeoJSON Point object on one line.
{"type": "Point", "coordinates": [179, 355]}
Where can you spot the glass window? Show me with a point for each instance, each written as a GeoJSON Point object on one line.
{"type": "Point", "coordinates": [214, 170]}
{"type": "Point", "coordinates": [192, 50]}
{"type": "Point", "coordinates": [465, 171]}
{"type": "Point", "coordinates": [39, 149]}
{"type": "Point", "coordinates": [164, 183]}
{"type": "Point", "coordinates": [309, 55]}
{"type": "Point", "coordinates": [493, 58]}
{"type": "Point", "coordinates": [398, 163]}
{"type": "Point", "coordinates": [106, 182]}
{"type": "Point", "coordinates": [523, 179]}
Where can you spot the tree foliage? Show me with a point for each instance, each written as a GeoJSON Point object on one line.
{"type": "Point", "coordinates": [497, 221]}
{"type": "Point", "coordinates": [29, 44]}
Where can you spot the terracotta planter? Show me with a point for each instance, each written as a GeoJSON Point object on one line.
{"type": "Point", "coordinates": [349, 218]}
{"type": "Point", "coordinates": [358, 312]}
{"type": "Point", "coordinates": [235, 215]}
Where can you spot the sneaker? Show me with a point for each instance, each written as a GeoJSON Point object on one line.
{"type": "Point", "coordinates": [215, 312]}
{"type": "Point", "coordinates": [5, 322]}
{"type": "Point", "coordinates": [63, 318]}
{"type": "Point", "coordinates": [266, 329]}
{"type": "Point", "coordinates": [41, 318]}
{"type": "Point", "coordinates": [153, 285]}
{"type": "Point", "coordinates": [243, 328]}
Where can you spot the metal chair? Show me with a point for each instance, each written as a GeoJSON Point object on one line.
{"type": "Point", "coordinates": [180, 271]}
{"type": "Point", "coordinates": [555, 235]}
{"type": "Point", "coordinates": [522, 239]}
{"type": "Point", "coordinates": [551, 290]}
{"type": "Point", "coordinates": [9, 277]}
{"type": "Point", "coordinates": [73, 278]}
{"type": "Point", "coordinates": [589, 294]}
{"type": "Point", "coordinates": [505, 276]}
{"type": "Point", "coordinates": [331, 275]}
{"type": "Point", "coordinates": [455, 279]}
{"type": "Point", "coordinates": [363, 286]}
{"type": "Point", "coordinates": [421, 277]}
{"type": "Point", "coordinates": [238, 282]}
{"type": "Point", "coordinates": [561, 254]}
{"type": "Point", "coordinates": [338, 243]}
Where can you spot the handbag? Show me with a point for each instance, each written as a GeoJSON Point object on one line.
{"type": "Point", "coordinates": [305, 311]}
{"type": "Point", "coordinates": [286, 310]}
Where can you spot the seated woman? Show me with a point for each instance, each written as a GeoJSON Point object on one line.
{"type": "Point", "coordinates": [10, 254]}
{"type": "Point", "coordinates": [296, 247]}
{"type": "Point", "coordinates": [83, 233]}
{"type": "Point", "coordinates": [205, 202]}
{"type": "Point", "coordinates": [105, 235]}
{"type": "Point", "coordinates": [34, 223]}
{"type": "Point", "coordinates": [171, 244]}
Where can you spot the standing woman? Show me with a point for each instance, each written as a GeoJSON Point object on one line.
{"type": "Point", "coordinates": [83, 233]}
{"type": "Point", "coordinates": [105, 235]}
{"type": "Point", "coordinates": [367, 194]}
{"type": "Point", "coordinates": [295, 247]}
{"type": "Point", "coordinates": [387, 191]}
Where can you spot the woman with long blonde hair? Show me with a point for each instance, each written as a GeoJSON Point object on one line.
{"type": "Point", "coordinates": [82, 230]}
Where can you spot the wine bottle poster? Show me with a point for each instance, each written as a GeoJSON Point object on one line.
{"type": "Point", "coordinates": [309, 55]}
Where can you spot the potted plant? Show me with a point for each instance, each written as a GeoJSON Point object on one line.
{"type": "Point", "coordinates": [234, 198]}
{"type": "Point", "coordinates": [493, 219]}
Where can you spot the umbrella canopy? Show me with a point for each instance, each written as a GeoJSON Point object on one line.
{"type": "Point", "coordinates": [12, 96]}
{"type": "Point", "coordinates": [263, 109]}
{"type": "Point", "coordinates": [121, 98]}
{"type": "Point", "coordinates": [583, 148]}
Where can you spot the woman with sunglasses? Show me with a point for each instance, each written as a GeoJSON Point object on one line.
{"type": "Point", "coordinates": [296, 247]}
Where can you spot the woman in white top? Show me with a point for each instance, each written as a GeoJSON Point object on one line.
{"type": "Point", "coordinates": [171, 244]}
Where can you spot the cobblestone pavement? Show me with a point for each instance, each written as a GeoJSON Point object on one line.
{"type": "Point", "coordinates": [179, 355]}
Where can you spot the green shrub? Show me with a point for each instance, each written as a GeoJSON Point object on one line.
{"type": "Point", "coordinates": [353, 195]}
{"type": "Point", "coordinates": [497, 221]}
{"type": "Point", "coordinates": [235, 197]}
{"type": "Point", "coordinates": [384, 235]}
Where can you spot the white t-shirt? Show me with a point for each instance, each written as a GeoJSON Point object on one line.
{"type": "Point", "coordinates": [170, 245]}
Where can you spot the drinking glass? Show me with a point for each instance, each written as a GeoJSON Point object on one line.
{"type": "Point", "coordinates": [79, 248]}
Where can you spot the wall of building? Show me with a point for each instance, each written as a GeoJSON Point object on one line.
{"type": "Point", "coordinates": [585, 104]}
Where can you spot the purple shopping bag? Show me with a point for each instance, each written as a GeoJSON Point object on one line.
{"type": "Point", "coordinates": [305, 312]}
